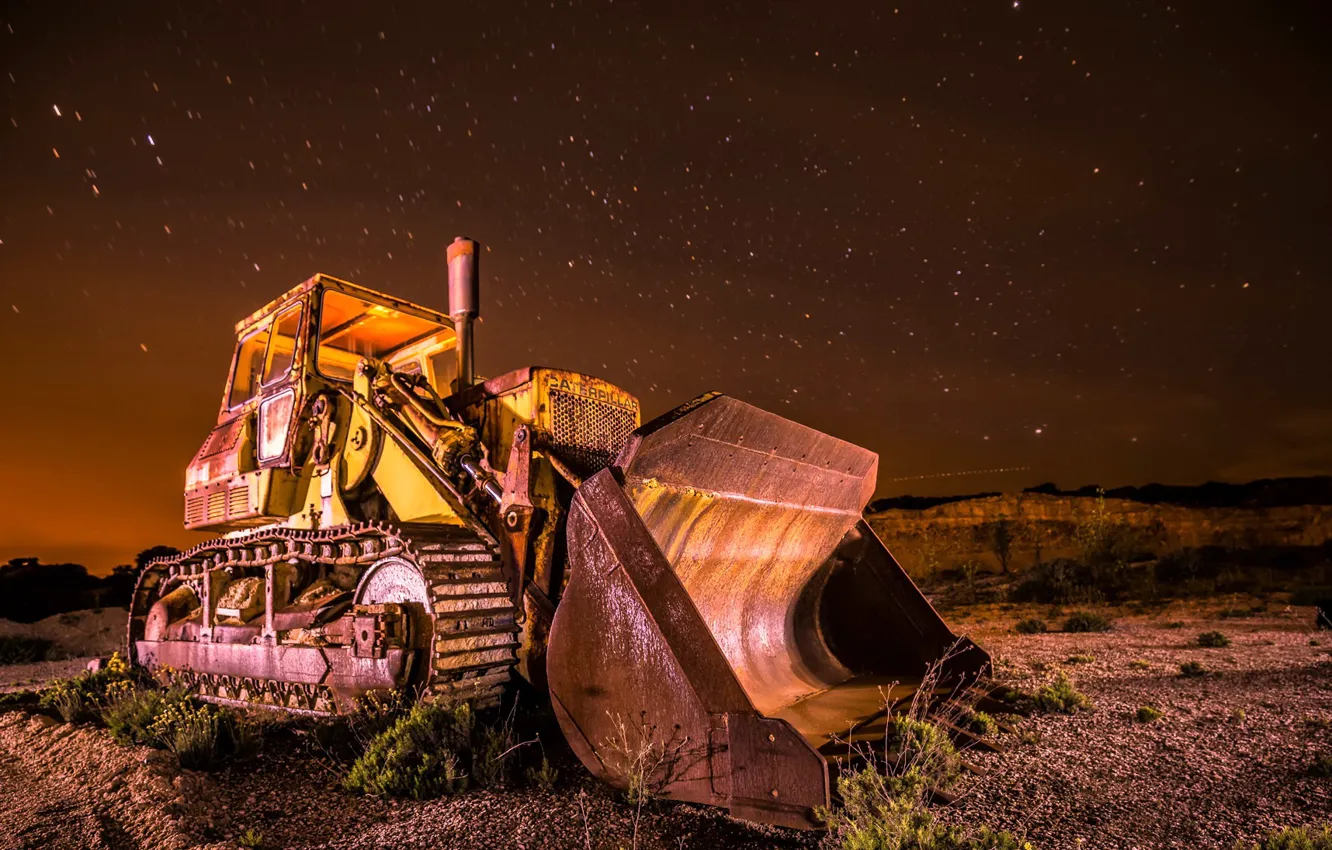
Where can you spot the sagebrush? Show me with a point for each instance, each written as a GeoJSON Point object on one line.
{"type": "Point", "coordinates": [1061, 697]}
{"type": "Point", "coordinates": [1299, 838]}
{"type": "Point", "coordinates": [883, 804]}
{"type": "Point", "coordinates": [888, 812]}
{"type": "Point", "coordinates": [1087, 621]}
{"type": "Point", "coordinates": [422, 755]}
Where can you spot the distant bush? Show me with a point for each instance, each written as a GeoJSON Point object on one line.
{"type": "Point", "coordinates": [1322, 765]}
{"type": "Point", "coordinates": [31, 591]}
{"type": "Point", "coordinates": [1080, 659]}
{"type": "Point", "coordinates": [1192, 670]}
{"type": "Point", "coordinates": [1300, 838]}
{"type": "Point", "coordinates": [1105, 537]}
{"type": "Point", "coordinates": [1249, 568]}
{"type": "Point", "coordinates": [1061, 697]}
{"type": "Point", "coordinates": [21, 649]}
{"type": "Point", "coordinates": [1321, 600]}
{"type": "Point", "coordinates": [1030, 626]}
{"type": "Point", "coordinates": [1063, 581]}
{"type": "Point", "coordinates": [422, 755]}
{"type": "Point", "coordinates": [1140, 664]}
{"type": "Point", "coordinates": [1213, 640]}
{"type": "Point", "coordinates": [1001, 534]}
{"type": "Point", "coordinates": [1148, 713]}
{"type": "Point", "coordinates": [1240, 613]}
{"type": "Point", "coordinates": [1087, 621]}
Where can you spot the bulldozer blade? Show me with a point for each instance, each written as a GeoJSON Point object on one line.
{"type": "Point", "coordinates": [729, 612]}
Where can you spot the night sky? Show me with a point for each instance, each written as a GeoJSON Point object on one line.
{"type": "Point", "coordinates": [1086, 242]}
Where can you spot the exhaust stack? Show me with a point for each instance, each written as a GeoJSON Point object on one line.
{"type": "Point", "coordinates": [464, 302]}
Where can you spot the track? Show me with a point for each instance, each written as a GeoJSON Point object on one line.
{"type": "Point", "coordinates": [468, 607]}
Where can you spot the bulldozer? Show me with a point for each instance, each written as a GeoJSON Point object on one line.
{"type": "Point", "coordinates": [387, 521]}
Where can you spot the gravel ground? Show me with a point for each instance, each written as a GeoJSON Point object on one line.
{"type": "Point", "coordinates": [294, 800]}
{"type": "Point", "coordinates": [1228, 759]}
{"type": "Point", "coordinates": [1199, 777]}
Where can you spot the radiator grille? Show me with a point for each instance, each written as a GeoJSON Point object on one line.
{"type": "Point", "coordinates": [588, 433]}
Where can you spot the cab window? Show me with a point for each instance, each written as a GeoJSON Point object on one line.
{"type": "Point", "coordinates": [248, 367]}
{"type": "Point", "coordinates": [352, 329]}
{"type": "Point", "coordinates": [282, 345]}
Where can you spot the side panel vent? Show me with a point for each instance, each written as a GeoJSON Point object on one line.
{"type": "Point", "coordinates": [196, 509]}
{"type": "Point", "coordinates": [219, 505]}
{"type": "Point", "coordinates": [238, 501]}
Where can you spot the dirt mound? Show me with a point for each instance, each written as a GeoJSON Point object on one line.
{"type": "Point", "coordinates": [66, 786]}
{"type": "Point", "coordinates": [99, 631]}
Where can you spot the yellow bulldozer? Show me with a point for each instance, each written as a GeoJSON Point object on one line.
{"type": "Point", "coordinates": [388, 521]}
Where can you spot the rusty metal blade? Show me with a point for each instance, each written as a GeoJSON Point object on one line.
{"type": "Point", "coordinates": [747, 507]}
{"type": "Point", "coordinates": [725, 586]}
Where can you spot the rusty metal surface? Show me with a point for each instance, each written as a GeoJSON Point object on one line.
{"type": "Point", "coordinates": [724, 586]}
{"type": "Point", "coordinates": [400, 605]}
{"type": "Point", "coordinates": [747, 507]}
{"type": "Point", "coordinates": [629, 651]}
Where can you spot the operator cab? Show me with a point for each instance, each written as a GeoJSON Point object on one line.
{"type": "Point", "coordinates": [306, 341]}
{"type": "Point", "coordinates": [354, 323]}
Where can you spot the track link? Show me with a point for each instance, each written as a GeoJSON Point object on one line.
{"type": "Point", "coordinates": [470, 604]}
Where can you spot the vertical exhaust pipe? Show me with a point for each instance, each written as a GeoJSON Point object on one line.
{"type": "Point", "coordinates": [464, 302]}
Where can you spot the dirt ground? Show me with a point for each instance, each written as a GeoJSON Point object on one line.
{"type": "Point", "coordinates": [1200, 777]}
{"type": "Point", "coordinates": [1228, 759]}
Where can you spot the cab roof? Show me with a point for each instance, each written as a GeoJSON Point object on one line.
{"type": "Point", "coordinates": [321, 282]}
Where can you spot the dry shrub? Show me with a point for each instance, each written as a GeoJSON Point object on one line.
{"type": "Point", "coordinates": [192, 732]}
{"type": "Point", "coordinates": [1087, 621]}
{"type": "Point", "coordinates": [1192, 670]}
{"type": "Point", "coordinates": [1300, 838]}
{"type": "Point", "coordinates": [1148, 713]}
{"type": "Point", "coordinates": [422, 755]}
{"type": "Point", "coordinates": [1061, 697]}
{"type": "Point", "coordinates": [883, 804]}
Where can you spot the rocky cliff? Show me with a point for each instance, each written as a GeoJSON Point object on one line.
{"type": "Point", "coordinates": [1042, 526]}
